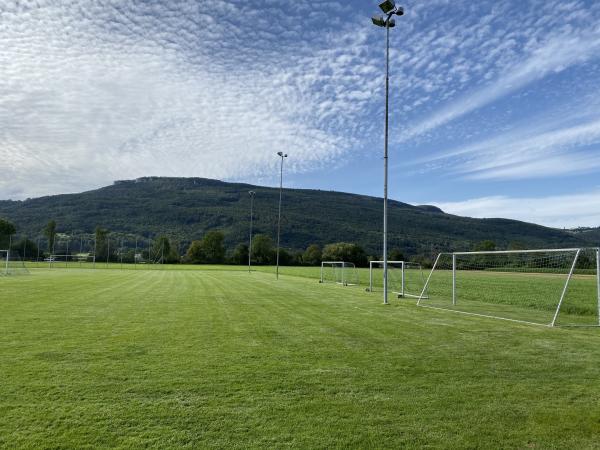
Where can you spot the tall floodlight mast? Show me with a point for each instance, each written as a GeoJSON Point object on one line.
{"type": "Point", "coordinates": [282, 156]}
{"type": "Point", "coordinates": [252, 194]}
{"type": "Point", "coordinates": [390, 9]}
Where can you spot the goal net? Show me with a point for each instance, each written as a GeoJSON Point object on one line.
{"type": "Point", "coordinates": [550, 287]}
{"type": "Point", "coordinates": [339, 272]}
{"type": "Point", "coordinates": [79, 260]}
{"type": "Point", "coordinates": [12, 264]}
{"type": "Point", "coordinates": [406, 279]}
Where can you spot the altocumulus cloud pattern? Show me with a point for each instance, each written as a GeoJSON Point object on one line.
{"type": "Point", "coordinates": [483, 92]}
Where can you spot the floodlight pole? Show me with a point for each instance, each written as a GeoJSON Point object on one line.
{"type": "Point", "coordinates": [281, 155]}
{"type": "Point", "coordinates": [252, 194]}
{"type": "Point", "coordinates": [390, 9]}
{"type": "Point", "coordinates": [385, 163]}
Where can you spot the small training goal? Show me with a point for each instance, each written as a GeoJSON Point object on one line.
{"type": "Point", "coordinates": [72, 260]}
{"type": "Point", "coordinates": [339, 272]}
{"type": "Point", "coordinates": [405, 278]}
{"type": "Point", "coordinates": [11, 263]}
{"type": "Point", "coordinates": [554, 287]}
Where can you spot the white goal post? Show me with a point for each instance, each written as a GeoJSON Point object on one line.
{"type": "Point", "coordinates": [67, 260]}
{"type": "Point", "coordinates": [339, 272]}
{"type": "Point", "coordinates": [542, 285]}
{"type": "Point", "coordinates": [405, 278]}
{"type": "Point", "coordinates": [11, 263]}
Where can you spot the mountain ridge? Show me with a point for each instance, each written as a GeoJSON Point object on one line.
{"type": "Point", "coordinates": [186, 208]}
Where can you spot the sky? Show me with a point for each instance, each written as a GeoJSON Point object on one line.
{"type": "Point", "coordinates": [494, 105]}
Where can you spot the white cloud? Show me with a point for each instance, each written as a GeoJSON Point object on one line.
{"type": "Point", "coordinates": [554, 56]}
{"type": "Point", "coordinates": [94, 91]}
{"type": "Point", "coordinates": [558, 211]}
{"type": "Point", "coordinates": [97, 92]}
{"type": "Point", "coordinates": [531, 151]}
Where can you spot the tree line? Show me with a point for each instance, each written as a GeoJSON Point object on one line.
{"type": "Point", "coordinates": [211, 249]}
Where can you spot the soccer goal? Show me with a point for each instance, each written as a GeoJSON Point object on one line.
{"type": "Point", "coordinates": [554, 287]}
{"type": "Point", "coordinates": [11, 263]}
{"type": "Point", "coordinates": [79, 260]}
{"type": "Point", "coordinates": [339, 272]}
{"type": "Point", "coordinates": [406, 279]}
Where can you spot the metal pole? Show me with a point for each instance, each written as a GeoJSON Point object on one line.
{"type": "Point", "coordinates": [403, 278]}
{"type": "Point", "coordinates": [428, 278]}
{"type": "Point", "coordinates": [598, 280]}
{"type": "Point", "coordinates": [8, 252]}
{"type": "Point", "coordinates": [162, 253]}
{"type": "Point", "coordinates": [279, 216]}
{"type": "Point", "coordinates": [37, 259]}
{"type": "Point", "coordinates": [121, 253]}
{"type": "Point", "coordinates": [252, 193]}
{"type": "Point", "coordinates": [564, 292]}
{"type": "Point", "coordinates": [135, 255]}
{"type": "Point", "coordinates": [80, 249]}
{"type": "Point", "coordinates": [53, 250]}
{"type": "Point", "coordinates": [385, 164]}
{"type": "Point", "coordinates": [94, 265]}
{"type": "Point", "coordinates": [107, 249]}
{"type": "Point", "coordinates": [453, 279]}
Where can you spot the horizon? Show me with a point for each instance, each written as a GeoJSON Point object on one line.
{"type": "Point", "coordinates": [494, 107]}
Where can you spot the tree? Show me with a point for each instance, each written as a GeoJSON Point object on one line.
{"type": "Point", "coordinates": [210, 250]}
{"type": "Point", "coordinates": [50, 233]}
{"type": "Point", "coordinates": [240, 254]}
{"type": "Point", "coordinates": [396, 255]}
{"type": "Point", "coordinates": [344, 251]}
{"type": "Point", "coordinates": [262, 249]}
{"type": "Point", "coordinates": [26, 248]}
{"type": "Point", "coordinates": [516, 245]}
{"type": "Point", "coordinates": [485, 246]}
{"type": "Point", "coordinates": [285, 257]}
{"type": "Point", "coordinates": [101, 243]}
{"type": "Point", "coordinates": [214, 250]}
{"type": "Point", "coordinates": [312, 256]}
{"type": "Point", "coordinates": [195, 253]}
{"type": "Point", "coordinates": [7, 229]}
{"type": "Point", "coordinates": [161, 249]}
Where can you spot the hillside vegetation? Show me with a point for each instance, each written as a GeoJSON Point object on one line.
{"type": "Point", "coordinates": [187, 208]}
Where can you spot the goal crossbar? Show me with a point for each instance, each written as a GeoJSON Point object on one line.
{"type": "Point", "coordinates": [569, 276]}
{"type": "Point", "coordinates": [345, 281]}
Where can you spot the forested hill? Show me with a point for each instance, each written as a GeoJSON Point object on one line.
{"type": "Point", "coordinates": [186, 208]}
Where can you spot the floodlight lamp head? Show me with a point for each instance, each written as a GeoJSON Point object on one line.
{"type": "Point", "coordinates": [391, 23]}
{"type": "Point", "coordinates": [252, 193]}
{"type": "Point", "coordinates": [400, 11]}
{"type": "Point", "coordinates": [378, 20]}
{"type": "Point", "coordinates": [387, 6]}
{"type": "Point", "coordinates": [280, 154]}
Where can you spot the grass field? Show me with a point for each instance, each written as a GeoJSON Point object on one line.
{"type": "Point", "coordinates": [219, 358]}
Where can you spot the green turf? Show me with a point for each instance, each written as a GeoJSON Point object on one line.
{"type": "Point", "coordinates": [226, 359]}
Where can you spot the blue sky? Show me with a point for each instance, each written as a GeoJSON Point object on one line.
{"type": "Point", "coordinates": [495, 105]}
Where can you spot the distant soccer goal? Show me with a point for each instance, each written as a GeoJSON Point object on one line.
{"type": "Point", "coordinates": [11, 263]}
{"type": "Point", "coordinates": [79, 260]}
{"type": "Point", "coordinates": [339, 272]}
{"type": "Point", "coordinates": [555, 287]}
{"type": "Point", "coordinates": [405, 279]}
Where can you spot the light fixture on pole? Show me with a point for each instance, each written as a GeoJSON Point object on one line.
{"type": "Point", "coordinates": [281, 155]}
{"type": "Point", "coordinates": [252, 194]}
{"type": "Point", "coordinates": [390, 9]}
